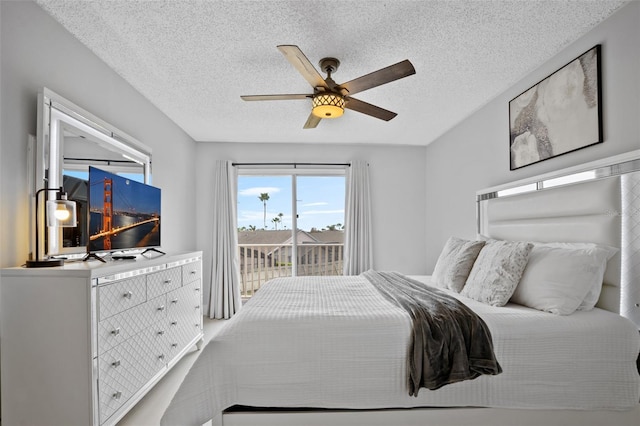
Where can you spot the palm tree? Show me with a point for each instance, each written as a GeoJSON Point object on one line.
{"type": "Point", "coordinates": [277, 220]}
{"type": "Point", "coordinates": [264, 196]}
{"type": "Point", "coordinates": [334, 227]}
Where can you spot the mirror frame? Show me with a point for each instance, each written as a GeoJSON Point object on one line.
{"type": "Point", "coordinates": [55, 115]}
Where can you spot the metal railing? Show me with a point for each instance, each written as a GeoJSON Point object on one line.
{"type": "Point", "coordinates": [262, 262]}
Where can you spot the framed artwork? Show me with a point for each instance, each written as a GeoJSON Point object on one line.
{"type": "Point", "coordinates": [560, 114]}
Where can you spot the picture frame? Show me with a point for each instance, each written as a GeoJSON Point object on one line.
{"type": "Point", "coordinates": [560, 114]}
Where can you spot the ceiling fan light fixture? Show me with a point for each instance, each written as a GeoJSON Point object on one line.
{"type": "Point", "coordinates": [328, 105]}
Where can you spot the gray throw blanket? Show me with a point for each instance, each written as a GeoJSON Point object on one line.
{"type": "Point", "coordinates": [449, 342]}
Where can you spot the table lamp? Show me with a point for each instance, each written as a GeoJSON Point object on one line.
{"type": "Point", "coordinates": [58, 213]}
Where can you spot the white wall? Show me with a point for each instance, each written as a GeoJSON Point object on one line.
{"type": "Point", "coordinates": [475, 154]}
{"type": "Point", "coordinates": [397, 183]}
{"type": "Point", "coordinates": [37, 52]}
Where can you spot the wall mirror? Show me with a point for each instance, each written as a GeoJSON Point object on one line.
{"type": "Point", "coordinates": [69, 139]}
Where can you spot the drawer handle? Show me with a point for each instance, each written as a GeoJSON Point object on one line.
{"type": "Point", "coordinates": [127, 295]}
{"type": "Point", "coordinates": [116, 331]}
{"type": "Point", "coordinates": [197, 307]}
{"type": "Point", "coordinates": [161, 308]}
{"type": "Point", "coordinates": [174, 345]}
{"type": "Point", "coordinates": [192, 272]}
{"type": "Point", "coordinates": [161, 332]}
{"type": "Point", "coordinates": [167, 281]}
{"type": "Point", "coordinates": [161, 356]}
{"type": "Point", "coordinates": [197, 289]}
{"type": "Point", "coordinates": [115, 363]}
{"type": "Point", "coordinates": [174, 322]}
{"type": "Point", "coordinates": [174, 301]}
{"type": "Point", "coordinates": [117, 395]}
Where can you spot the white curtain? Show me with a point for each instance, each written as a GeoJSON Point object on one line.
{"type": "Point", "coordinates": [358, 255]}
{"type": "Point", "coordinates": [225, 299]}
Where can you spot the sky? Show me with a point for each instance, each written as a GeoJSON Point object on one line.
{"type": "Point", "coordinates": [320, 201]}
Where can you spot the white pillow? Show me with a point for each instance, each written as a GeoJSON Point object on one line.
{"type": "Point", "coordinates": [497, 271]}
{"type": "Point", "coordinates": [455, 262]}
{"type": "Point", "coordinates": [563, 277]}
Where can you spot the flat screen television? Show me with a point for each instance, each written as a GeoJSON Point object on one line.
{"type": "Point", "coordinates": [123, 214]}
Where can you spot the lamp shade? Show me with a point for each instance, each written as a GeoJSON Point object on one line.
{"type": "Point", "coordinates": [61, 213]}
{"type": "Point", "coordinates": [328, 105]}
{"type": "Point", "coordinates": [58, 213]}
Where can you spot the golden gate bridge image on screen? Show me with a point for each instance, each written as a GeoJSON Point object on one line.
{"type": "Point", "coordinates": [107, 229]}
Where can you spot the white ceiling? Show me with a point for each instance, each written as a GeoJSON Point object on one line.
{"type": "Point", "coordinates": [194, 58]}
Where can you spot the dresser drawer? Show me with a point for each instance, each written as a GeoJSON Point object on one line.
{"type": "Point", "coordinates": [118, 328]}
{"type": "Point", "coordinates": [191, 272]}
{"type": "Point", "coordinates": [178, 336]}
{"type": "Point", "coordinates": [121, 295]}
{"type": "Point", "coordinates": [123, 370]}
{"type": "Point", "coordinates": [184, 301]}
{"type": "Point", "coordinates": [163, 281]}
{"type": "Point", "coordinates": [184, 317]}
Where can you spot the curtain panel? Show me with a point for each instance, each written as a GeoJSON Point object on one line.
{"type": "Point", "coordinates": [358, 253]}
{"type": "Point", "coordinates": [225, 298]}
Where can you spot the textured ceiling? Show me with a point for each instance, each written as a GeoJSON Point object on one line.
{"type": "Point", "coordinates": [193, 59]}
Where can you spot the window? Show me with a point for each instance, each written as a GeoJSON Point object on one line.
{"type": "Point", "coordinates": [289, 224]}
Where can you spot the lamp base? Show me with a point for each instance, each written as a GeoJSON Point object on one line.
{"type": "Point", "coordinates": [46, 263]}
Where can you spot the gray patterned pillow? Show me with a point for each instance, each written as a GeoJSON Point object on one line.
{"type": "Point", "coordinates": [497, 271]}
{"type": "Point", "coordinates": [455, 263]}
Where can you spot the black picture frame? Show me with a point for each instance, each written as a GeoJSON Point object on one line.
{"type": "Point", "coordinates": [560, 114]}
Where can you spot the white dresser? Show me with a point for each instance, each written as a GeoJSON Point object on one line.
{"type": "Point", "coordinates": [82, 343]}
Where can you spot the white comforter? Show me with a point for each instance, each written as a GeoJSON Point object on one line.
{"type": "Point", "coordinates": [335, 342]}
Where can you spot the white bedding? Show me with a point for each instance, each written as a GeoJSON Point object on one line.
{"type": "Point", "coordinates": [335, 342]}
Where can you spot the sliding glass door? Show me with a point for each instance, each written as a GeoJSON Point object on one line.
{"type": "Point", "coordinates": [320, 216]}
{"type": "Point", "coordinates": [289, 224]}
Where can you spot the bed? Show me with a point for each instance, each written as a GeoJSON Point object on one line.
{"type": "Point", "coordinates": [328, 344]}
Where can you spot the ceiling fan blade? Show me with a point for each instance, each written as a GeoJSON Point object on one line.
{"type": "Point", "coordinates": [302, 64]}
{"type": "Point", "coordinates": [380, 77]}
{"type": "Point", "coordinates": [274, 97]}
{"type": "Point", "coordinates": [312, 122]}
{"type": "Point", "coordinates": [369, 109]}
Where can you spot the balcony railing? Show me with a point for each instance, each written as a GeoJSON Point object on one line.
{"type": "Point", "coordinates": [262, 262]}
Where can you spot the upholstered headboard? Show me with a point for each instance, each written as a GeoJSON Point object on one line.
{"type": "Point", "coordinates": [597, 202]}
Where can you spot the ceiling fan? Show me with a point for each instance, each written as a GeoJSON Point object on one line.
{"type": "Point", "coordinates": [330, 99]}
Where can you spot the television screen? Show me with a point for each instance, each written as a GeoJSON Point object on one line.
{"type": "Point", "coordinates": [123, 214]}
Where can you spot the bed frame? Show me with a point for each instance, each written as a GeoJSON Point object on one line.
{"type": "Point", "coordinates": [597, 202]}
